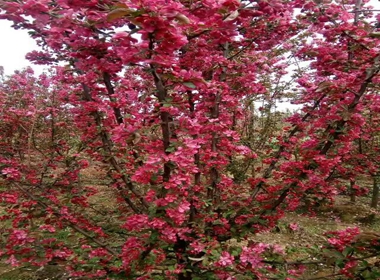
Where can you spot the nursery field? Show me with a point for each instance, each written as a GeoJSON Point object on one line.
{"type": "Point", "coordinates": [191, 140]}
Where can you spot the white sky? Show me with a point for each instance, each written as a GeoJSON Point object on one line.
{"type": "Point", "coordinates": [15, 44]}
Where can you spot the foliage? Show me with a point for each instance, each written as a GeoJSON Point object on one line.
{"type": "Point", "coordinates": [157, 91]}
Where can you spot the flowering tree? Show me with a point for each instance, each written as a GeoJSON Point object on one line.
{"type": "Point", "coordinates": [156, 90]}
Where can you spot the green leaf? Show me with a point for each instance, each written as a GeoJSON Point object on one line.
{"type": "Point", "coordinates": [348, 251]}
{"type": "Point", "coordinates": [333, 254]}
{"type": "Point", "coordinates": [366, 274]}
{"type": "Point", "coordinates": [236, 252]}
{"type": "Point", "coordinates": [154, 177]}
{"type": "Point", "coordinates": [170, 149]}
{"type": "Point", "coordinates": [217, 223]}
{"type": "Point", "coordinates": [189, 85]}
{"type": "Point", "coordinates": [153, 237]}
{"type": "Point", "coordinates": [215, 253]}
{"type": "Point", "coordinates": [171, 267]}
{"type": "Point", "coordinates": [262, 222]}
{"type": "Point", "coordinates": [337, 254]}
{"type": "Point", "coordinates": [205, 262]}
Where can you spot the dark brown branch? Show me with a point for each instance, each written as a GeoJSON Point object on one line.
{"type": "Point", "coordinates": [164, 116]}
{"type": "Point", "coordinates": [212, 192]}
{"type": "Point", "coordinates": [197, 162]}
{"type": "Point", "coordinates": [111, 93]}
{"type": "Point", "coordinates": [116, 110]}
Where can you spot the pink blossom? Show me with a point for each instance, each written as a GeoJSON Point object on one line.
{"type": "Point", "coordinates": [184, 207]}
{"type": "Point", "coordinates": [169, 234]}
{"type": "Point", "coordinates": [157, 223]}
{"type": "Point", "coordinates": [63, 253]}
{"type": "Point", "coordinates": [197, 246]}
{"type": "Point", "coordinates": [278, 249]}
{"type": "Point", "coordinates": [343, 238]}
{"type": "Point", "coordinates": [136, 222]}
{"type": "Point", "coordinates": [48, 228]}
{"type": "Point", "coordinates": [293, 226]}
{"type": "Point", "coordinates": [177, 216]}
{"type": "Point", "coordinates": [9, 198]}
{"type": "Point", "coordinates": [19, 234]}
{"type": "Point", "coordinates": [100, 252]}
{"type": "Point", "coordinates": [12, 261]}
{"type": "Point", "coordinates": [225, 259]}
{"type": "Point", "coordinates": [251, 255]}
{"type": "Point", "coordinates": [11, 173]}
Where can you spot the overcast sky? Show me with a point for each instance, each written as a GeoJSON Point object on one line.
{"type": "Point", "coordinates": [16, 43]}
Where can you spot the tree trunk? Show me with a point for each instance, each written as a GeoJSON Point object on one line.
{"type": "Point", "coordinates": [375, 194]}
{"type": "Point", "coordinates": [352, 191]}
